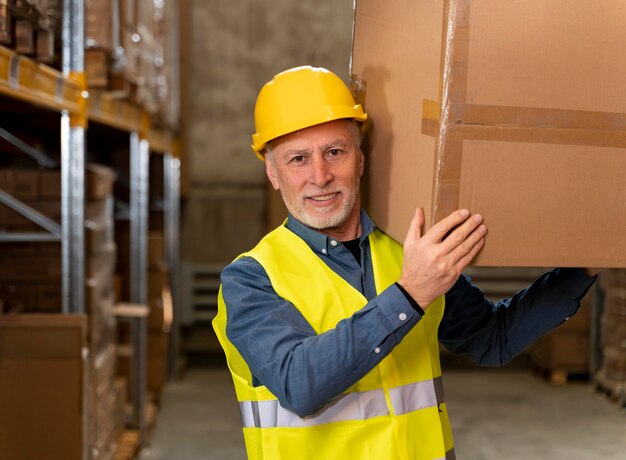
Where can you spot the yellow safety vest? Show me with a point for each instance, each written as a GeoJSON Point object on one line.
{"type": "Point", "coordinates": [396, 412]}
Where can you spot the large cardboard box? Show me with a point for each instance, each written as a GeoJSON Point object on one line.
{"type": "Point", "coordinates": [514, 110]}
{"type": "Point", "coordinates": [43, 387]}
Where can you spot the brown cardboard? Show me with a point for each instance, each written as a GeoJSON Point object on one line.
{"type": "Point", "coordinates": [156, 248]}
{"type": "Point", "coordinates": [498, 108]}
{"type": "Point", "coordinates": [99, 24]}
{"type": "Point", "coordinates": [50, 185]}
{"type": "Point", "coordinates": [49, 297]}
{"type": "Point", "coordinates": [42, 387]}
{"type": "Point", "coordinates": [30, 268]}
{"type": "Point", "coordinates": [22, 184]}
{"type": "Point", "coordinates": [97, 63]}
{"type": "Point", "coordinates": [104, 260]}
{"type": "Point", "coordinates": [99, 181]}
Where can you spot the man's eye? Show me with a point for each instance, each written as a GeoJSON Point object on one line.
{"type": "Point", "coordinates": [335, 154]}
{"type": "Point", "coordinates": [297, 159]}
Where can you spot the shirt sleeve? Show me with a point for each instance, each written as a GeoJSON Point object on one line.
{"type": "Point", "coordinates": [492, 334]}
{"type": "Point", "coordinates": [305, 370]}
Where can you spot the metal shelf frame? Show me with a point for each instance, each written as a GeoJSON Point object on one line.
{"type": "Point", "coordinates": [65, 92]}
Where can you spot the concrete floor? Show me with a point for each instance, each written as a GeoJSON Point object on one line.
{"type": "Point", "coordinates": [496, 414]}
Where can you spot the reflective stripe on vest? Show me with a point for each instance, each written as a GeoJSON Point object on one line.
{"type": "Point", "coordinates": [351, 406]}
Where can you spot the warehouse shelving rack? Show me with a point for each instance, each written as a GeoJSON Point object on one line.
{"type": "Point", "coordinates": [65, 92]}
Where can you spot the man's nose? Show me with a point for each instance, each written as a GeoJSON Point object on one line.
{"type": "Point", "coordinates": [322, 173]}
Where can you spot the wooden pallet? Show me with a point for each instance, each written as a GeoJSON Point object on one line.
{"type": "Point", "coordinates": [128, 446]}
{"type": "Point", "coordinates": [561, 376]}
{"type": "Point", "coordinates": [614, 390]}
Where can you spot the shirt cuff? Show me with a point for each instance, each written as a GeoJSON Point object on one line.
{"type": "Point", "coordinates": [411, 300]}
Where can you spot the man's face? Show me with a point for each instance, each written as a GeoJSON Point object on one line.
{"type": "Point", "coordinates": [318, 172]}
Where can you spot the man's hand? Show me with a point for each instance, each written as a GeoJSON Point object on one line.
{"type": "Point", "coordinates": [434, 261]}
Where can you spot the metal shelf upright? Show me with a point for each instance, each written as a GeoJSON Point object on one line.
{"type": "Point", "coordinates": [73, 126]}
{"type": "Point", "coordinates": [65, 92]}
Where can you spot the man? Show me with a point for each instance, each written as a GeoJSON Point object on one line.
{"type": "Point", "coordinates": [330, 327]}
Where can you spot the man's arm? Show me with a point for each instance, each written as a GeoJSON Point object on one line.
{"type": "Point", "coordinates": [302, 369]}
{"type": "Point", "coordinates": [492, 334]}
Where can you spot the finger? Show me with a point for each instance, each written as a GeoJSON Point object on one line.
{"type": "Point", "coordinates": [416, 227]}
{"type": "Point", "coordinates": [421, 219]}
{"type": "Point", "coordinates": [459, 234]}
{"type": "Point", "coordinates": [466, 259]}
{"type": "Point", "coordinates": [439, 231]}
{"type": "Point", "coordinates": [468, 244]}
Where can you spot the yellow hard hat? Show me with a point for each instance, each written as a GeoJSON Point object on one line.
{"type": "Point", "coordinates": [298, 98]}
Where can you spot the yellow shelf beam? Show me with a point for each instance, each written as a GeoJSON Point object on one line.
{"type": "Point", "coordinates": [27, 80]}
{"type": "Point", "coordinates": [117, 113]}
{"type": "Point", "coordinates": [109, 110]}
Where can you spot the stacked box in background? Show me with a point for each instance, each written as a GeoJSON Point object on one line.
{"type": "Point", "coordinates": [160, 310]}
{"type": "Point", "coordinates": [30, 273]}
{"type": "Point", "coordinates": [99, 45]}
{"type": "Point", "coordinates": [612, 375]}
{"type": "Point", "coordinates": [106, 417]}
{"type": "Point", "coordinates": [43, 387]}
{"type": "Point", "coordinates": [30, 282]}
{"type": "Point", "coordinates": [566, 350]}
{"type": "Point", "coordinates": [131, 52]}
{"type": "Point", "coordinates": [160, 317]}
{"type": "Point", "coordinates": [31, 27]}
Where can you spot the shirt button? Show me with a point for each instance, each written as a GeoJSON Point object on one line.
{"type": "Point", "coordinates": [324, 251]}
{"type": "Point", "coordinates": [402, 316]}
{"type": "Point", "coordinates": [377, 350]}
{"type": "Point", "coordinates": [567, 318]}
{"type": "Point", "coordinates": [333, 243]}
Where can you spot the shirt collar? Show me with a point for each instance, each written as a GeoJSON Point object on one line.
{"type": "Point", "coordinates": [318, 241]}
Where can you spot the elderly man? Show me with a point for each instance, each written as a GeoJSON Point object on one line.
{"type": "Point", "coordinates": [330, 327]}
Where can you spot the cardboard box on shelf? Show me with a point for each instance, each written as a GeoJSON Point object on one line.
{"type": "Point", "coordinates": [98, 287]}
{"type": "Point", "coordinates": [102, 325]}
{"type": "Point", "coordinates": [97, 63]}
{"type": "Point", "coordinates": [50, 185]}
{"type": "Point", "coordinates": [17, 295]}
{"type": "Point", "coordinates": [103, 260]}
{"type": "Point", "coordinates": [566, 348]}
{"type": "Point", "coordinates": [99, 181]}
{"type": "Point", "coordinates": [493, 106]}
{"type": "Point", "coordinates": [99, 24]}
{"type": "Point", "coordinates": [49, 298]}
{"type": "Point", "coordinates": [42, 382]}
{"type": "Point", "coordinates": [103, 368]}
{"type": "Point", "coordinates": [565, 351]}
{"type": "Point", "coordinates": [13, 219]}
{"type": "Point", "coordinates": [19, 249]}
{"type": "Point", "coordinates": [30, 268]}
{"type": "Point", "coordinates": [117, 287]}
{"type": "Point", "coordinates": [98, 237]}
{"type": "Point", "coordinates": [158, 279]}
{"type": "Point", "coordinates": [6, 35]}
{"type": "Point", "coordinates": [156, 248]}
{"type": "Point", "coordinates": [158, 342]}
{"type": "Point", "coordinates": [100, 211]}
{"type": "Point", "coordinates": [24, 37]}
{"type": "Point", "coordinates": [22, 184]}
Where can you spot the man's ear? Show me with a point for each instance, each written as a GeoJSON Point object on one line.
{"type": "Point", "coordinates": [361, 163]}
{"type": "Point", "coordinates": [271, 172]}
